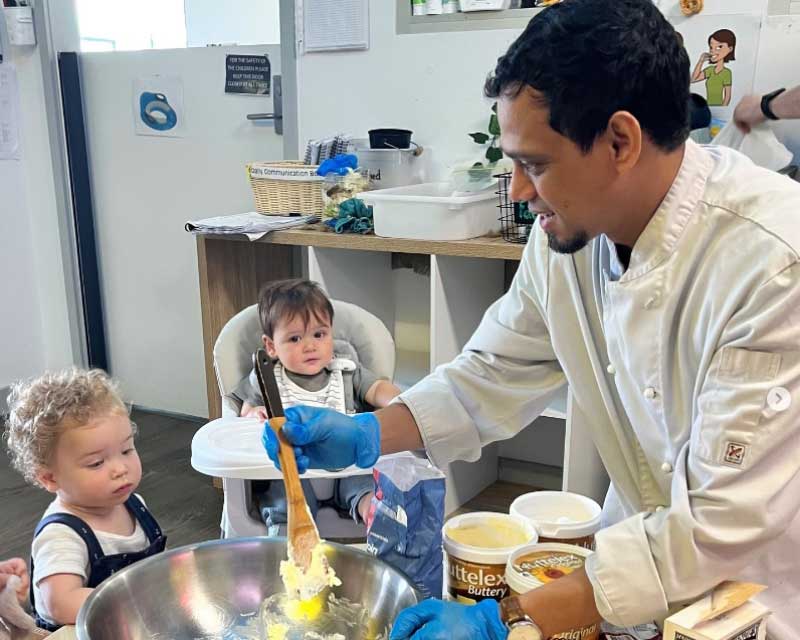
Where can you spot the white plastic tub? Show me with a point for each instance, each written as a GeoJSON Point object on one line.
{"type": "Point", "coordinates": [560, 516]}
{"type": "Point", "coordinates": [390, 168]}
{"type": "Point", "coordinates": [429, 211]}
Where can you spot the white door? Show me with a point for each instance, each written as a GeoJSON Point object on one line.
{"type": "Point", "coordinates": [145, 188]}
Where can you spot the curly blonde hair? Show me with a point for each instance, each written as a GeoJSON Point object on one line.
{"type": "Point", "coordinates": [41, 409]}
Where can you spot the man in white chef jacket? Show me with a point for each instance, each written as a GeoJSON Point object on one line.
{"type": "Point", "coordinates": [662, 283]}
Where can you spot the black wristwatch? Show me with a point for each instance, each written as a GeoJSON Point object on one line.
{"type": "Point", "coordinates": [766, 109]}
{"type": "Point", "coordinates": [519, 624]}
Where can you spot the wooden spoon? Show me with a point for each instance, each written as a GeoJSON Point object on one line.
{"type": "Point", "coordinates": [723, 598]}
{"type": "Point", "coordinates": [301, 530]}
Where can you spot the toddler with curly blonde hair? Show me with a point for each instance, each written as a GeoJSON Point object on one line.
{"type": "Point", "coordinates": [70, 433]}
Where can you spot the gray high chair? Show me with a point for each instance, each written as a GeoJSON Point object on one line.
{"type": "Point", "coordinates": [353, 327]}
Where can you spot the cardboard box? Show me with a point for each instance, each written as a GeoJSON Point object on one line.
{"type": "Point", "coordinates": [724, 614]}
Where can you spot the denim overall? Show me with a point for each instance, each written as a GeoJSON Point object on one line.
{"type": "Point", "coordinates": [102, 566]}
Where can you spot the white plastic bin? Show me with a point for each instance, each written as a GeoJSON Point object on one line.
{"type": "Point", "coordinates": [429, 211]}
{"type": "Point", "coordinates": [484, 5]}
{"type": "Point", "coordinates": [390, 168]}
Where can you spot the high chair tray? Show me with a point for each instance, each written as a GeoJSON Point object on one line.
{"type": "Point", "coordinates": [231, 448]}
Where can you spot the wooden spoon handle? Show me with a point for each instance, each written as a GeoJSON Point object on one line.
{"type": "Point", "coordinates": [291, 477]}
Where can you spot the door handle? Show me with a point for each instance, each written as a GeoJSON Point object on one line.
{"type": "Point", "coordinates": [277, 107]}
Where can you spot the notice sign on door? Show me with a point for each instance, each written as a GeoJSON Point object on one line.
{"type": "Point", "coordinates": [247, 74]}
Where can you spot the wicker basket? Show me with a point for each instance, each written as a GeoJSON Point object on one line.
{"type": "Point", "coordinates": [281, 188]}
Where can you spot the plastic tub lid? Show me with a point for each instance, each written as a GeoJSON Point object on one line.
{"type": "Point", "coordinates": [484, 555]}
{"type": "Point", "coordinates": [559, 514]}
{"type": "Point", "coordinates": [231, 448]}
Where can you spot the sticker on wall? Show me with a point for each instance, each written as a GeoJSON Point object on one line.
{"type": "Point", "coordinates": [158, 106]}
{"type": "Point", "coordinates": [722, 53]}
{"type": "Point", "coordinates": [247, 74]}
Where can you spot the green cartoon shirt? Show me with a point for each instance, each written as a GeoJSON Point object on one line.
{"type": "Point", "coordinates": [715, 83]}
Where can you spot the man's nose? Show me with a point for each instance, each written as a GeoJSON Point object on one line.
{"type": "Point", "coordinates": [521, 188]}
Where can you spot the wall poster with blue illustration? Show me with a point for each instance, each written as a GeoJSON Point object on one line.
{"type": "Point", "coordinates": [158, 106]}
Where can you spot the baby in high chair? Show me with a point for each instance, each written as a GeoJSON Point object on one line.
{"type": "Point", "coordinates": [70, 433]}
{"type": "Point", "coordinates": [297, 322]}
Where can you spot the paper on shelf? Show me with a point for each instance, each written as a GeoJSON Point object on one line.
{"type": "Point", "coordinates": [252, 224]}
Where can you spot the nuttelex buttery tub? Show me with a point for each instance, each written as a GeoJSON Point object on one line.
{"type": "Point", "coordinates": [534, 565]}
{"type": "Point", "coordinates": [478, 546]}
{"type": "Point", "coordinates": [560, 516]}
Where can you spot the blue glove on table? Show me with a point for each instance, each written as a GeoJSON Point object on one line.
{"type": "Point", "coordinates": [327, 439]}
{"type": "Point", "coordinates": [439, 620]}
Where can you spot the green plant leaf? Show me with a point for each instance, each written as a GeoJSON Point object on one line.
{"type": "Point", "coordinates": [494, 107]}
{"type": "Point", "coordinates": [477, 164]}
{"type": "Point", "coordinates": [480, 138]}
{"type": "Point", "coordinates": [494, 125]}
{"type": "Point", "coordinates": [493, 154]}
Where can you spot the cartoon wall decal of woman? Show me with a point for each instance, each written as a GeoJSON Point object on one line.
{"type": "Point", "coordinates": [718, 77]}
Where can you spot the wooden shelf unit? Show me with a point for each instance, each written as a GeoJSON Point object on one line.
{"type": "Point", "coordinates": [315, 236]}
{"type": "Point", "coordinates": [439, 310]}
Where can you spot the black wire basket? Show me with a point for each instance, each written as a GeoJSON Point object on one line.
{"type": "Point", "coordinates": [516, 220]}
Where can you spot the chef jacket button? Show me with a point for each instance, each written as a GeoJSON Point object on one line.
{"type": "Point", "coordinates": [666, 467]}
{"type": "Point", "coordinates": [611, 369]}
{"type": "Point", "coordinates": [659, 508]}
{"type": "Point", "coordinates": [650, 393]}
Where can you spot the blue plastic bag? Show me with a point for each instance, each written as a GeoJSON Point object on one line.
{"type": "Point", "coordinates": [404, 527]}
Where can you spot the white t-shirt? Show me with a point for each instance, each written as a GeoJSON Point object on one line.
{"type": "Point", "coordinates": [58, 549]}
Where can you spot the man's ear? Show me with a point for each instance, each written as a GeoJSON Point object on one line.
{"type": "Point", "coordinates": [47, 479]}
{"type": "Point", "coordinates": [626, 140]}
{"type": "Point", "coordinates": [269, 345]}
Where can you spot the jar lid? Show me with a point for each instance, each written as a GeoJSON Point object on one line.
{"type": "Point", "coordinates": [559, 514]}
{"type": "Point", "coordinates": [534, 565]}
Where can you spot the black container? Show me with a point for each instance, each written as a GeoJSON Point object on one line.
{"type": "Point", "coordinates": [516, 220]}
{"type": "Point", "coordinates": [389, 138]}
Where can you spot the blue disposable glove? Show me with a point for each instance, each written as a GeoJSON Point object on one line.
{"type": "Point", "coordinates": [437, 620]}
{"type": "Point", "coordinates": [327, 439]}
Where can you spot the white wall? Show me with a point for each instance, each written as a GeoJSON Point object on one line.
{"type": "Point", "coordinates": [432, 83]}
{"type": "Point", "coordinates": [231, 22]}
{"type": "Point", "coordinates": [429, 83]}
{"type": "Point", "coordinates": [779, 66]}
{"type": "Point", "coordinates": [34, 323]}
{"type": "Point", "coordinates": [145, 188]}
{"type": "Point", "coordinates": [21, 339]}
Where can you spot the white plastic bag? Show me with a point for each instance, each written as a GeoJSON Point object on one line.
{"type": "Point", "coordinates": [760, 145]}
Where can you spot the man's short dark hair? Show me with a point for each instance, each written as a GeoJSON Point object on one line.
{"type": "Point", "coordinates": [591, 58]}
{"type": "Point", "coordinates": [283, 300]}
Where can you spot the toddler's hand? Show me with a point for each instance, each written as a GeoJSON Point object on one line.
{"type": "Point", "coordinates": [257, 412]}
{"type": "Point", "coordinates": [15, 567]}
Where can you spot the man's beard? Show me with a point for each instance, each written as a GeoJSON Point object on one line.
{"type": "Point", "coordinates": [572, 245]}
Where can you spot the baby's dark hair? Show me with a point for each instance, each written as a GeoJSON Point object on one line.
{"type": "Point", "coordinates": [284, 300]}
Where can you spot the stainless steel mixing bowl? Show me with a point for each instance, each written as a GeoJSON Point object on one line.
{"type": "Point", "coordinates": [210, 589]}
